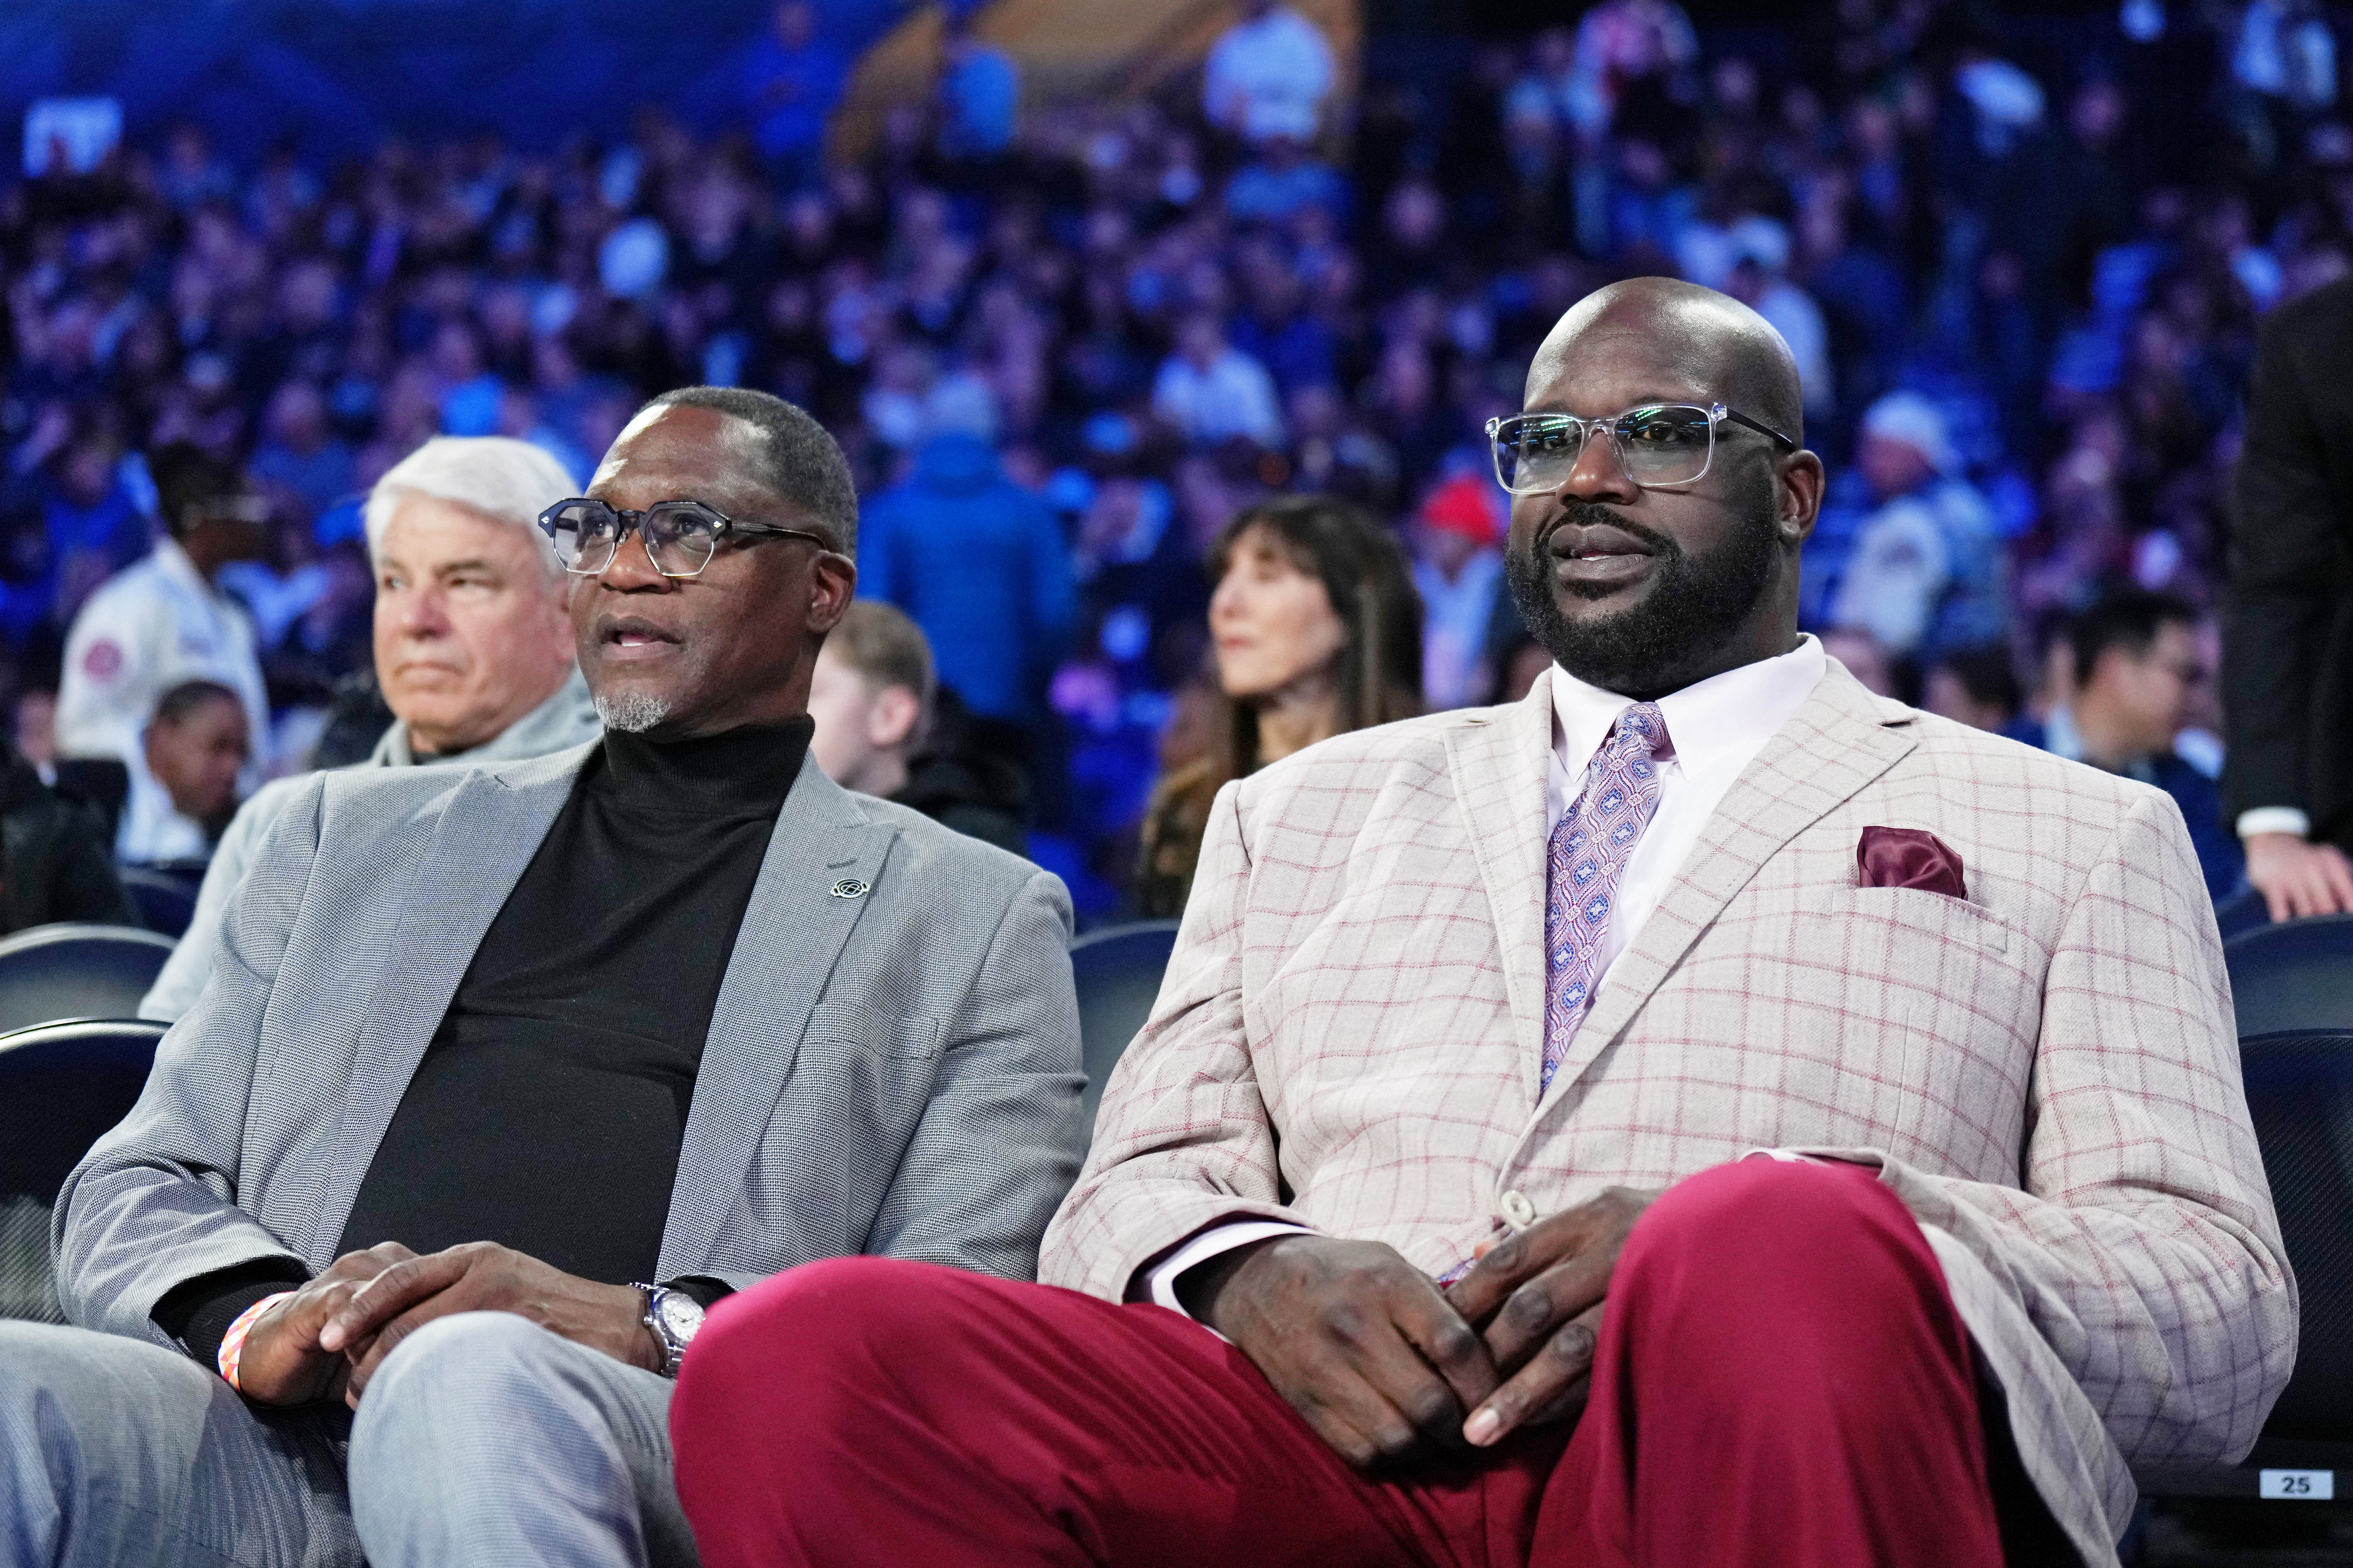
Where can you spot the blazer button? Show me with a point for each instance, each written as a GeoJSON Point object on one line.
{"type": "Point", "coordinates": [1518, 1212]}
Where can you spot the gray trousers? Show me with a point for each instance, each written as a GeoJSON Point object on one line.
{"type": "Point", "coordinates": [483, 1439]}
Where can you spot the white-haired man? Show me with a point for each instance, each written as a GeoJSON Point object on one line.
{"type": "Point", "coordinates": [473, 647]}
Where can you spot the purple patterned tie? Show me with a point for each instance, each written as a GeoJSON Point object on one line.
{"type": "Point", "coordinates": [1590, 848]}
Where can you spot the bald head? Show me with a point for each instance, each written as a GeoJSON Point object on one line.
{"type": "Point", "coordinates": [1644, 588]}
{"type": "Point", "coordinates": [1692, 335]}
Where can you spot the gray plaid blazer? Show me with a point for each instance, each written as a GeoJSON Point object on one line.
{"type": "Point", "coordinates": [892, 1072]}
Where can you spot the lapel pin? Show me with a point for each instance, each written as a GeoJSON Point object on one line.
{"type": "Point", "coordinates": [848, 887]}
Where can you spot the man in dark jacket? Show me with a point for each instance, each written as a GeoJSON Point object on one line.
{"type": "Point", "coordinates": [880, 731]}
{"type": "Point", "coordinates": [2136, 667]}
{"type": "Point", "coordinates": [55, 859]}
{"type": "Point", "coordinates": [2287, 629]}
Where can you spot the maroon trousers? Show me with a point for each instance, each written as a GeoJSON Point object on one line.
{"type": "Point", "coordinates": [1781, 1379]}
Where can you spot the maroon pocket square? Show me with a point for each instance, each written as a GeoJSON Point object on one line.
{"type": "Point", "coordinates": [1908, 858]}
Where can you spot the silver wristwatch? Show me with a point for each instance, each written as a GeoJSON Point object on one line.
{"type": "Point", "coordinates": [673, 1317]}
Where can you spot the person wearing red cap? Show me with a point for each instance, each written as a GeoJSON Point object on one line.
{"type": "Point", "coordinates": [1459, 571]}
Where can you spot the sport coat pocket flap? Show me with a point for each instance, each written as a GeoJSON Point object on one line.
{"type": "Point", "coordinates": [1941, 914]}
{"type": "Point", "coordinates": [915, 1036]}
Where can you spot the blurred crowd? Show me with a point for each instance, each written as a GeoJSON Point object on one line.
{"type": "Point", "coordinates": [1065, 345]}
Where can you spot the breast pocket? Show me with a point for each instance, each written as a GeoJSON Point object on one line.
{"type": "Point", "coordinates": [1959, 994]}
{"type": "Point", "coordinates": [914, 1037]}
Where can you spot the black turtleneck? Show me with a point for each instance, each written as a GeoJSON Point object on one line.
{"type": "Point", "coordinates": [548, 1113]}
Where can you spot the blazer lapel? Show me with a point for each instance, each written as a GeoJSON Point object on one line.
{"type": "Point", "coordinates": [1835, 744]}
{"type": "Point", "coordinates": [1501, 760]}
{"type": "Point", "coordinates": [793, 933]}
{"type": "Point", "coordinates": [492, 825]}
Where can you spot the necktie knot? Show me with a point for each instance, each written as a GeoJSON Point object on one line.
{"type": "Point", "coordinates": [1641, 733]}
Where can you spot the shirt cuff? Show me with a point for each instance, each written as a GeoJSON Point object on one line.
{"type": "Point", "coordinates": [2274, 819]}
{"type": "Point", "coordinates": [700, 1288]}
{"type": "Point", "coordinates": [1160, 1279]}
{"type": "Point", "coordinates": [197, 1312]}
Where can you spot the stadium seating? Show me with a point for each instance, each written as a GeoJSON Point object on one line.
{"type": "Point", "coordinates": [166, 899]}
{"type": "Point", "coordinates": [2241, 912]}
{"type": "Point", "coordinates": [2293, 984]}
{"type": "Point", "coordinates": [76, 971]}
{"type": "Point", "coordinates": [1118, 974]}
{"type": "Point", "coordinates": [2292, 976]}
{"type": "Point", "coordinates": [81, 1077]}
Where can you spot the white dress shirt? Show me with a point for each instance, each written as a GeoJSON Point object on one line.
{"type": "Point", "coordinates": [1716, 726]}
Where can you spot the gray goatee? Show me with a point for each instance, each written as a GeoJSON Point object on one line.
{"type": "Point", "coordinates": [631, 712]}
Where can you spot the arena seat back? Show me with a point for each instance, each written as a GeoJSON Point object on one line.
{"type": "Point", "coordinates": [65, 1084]}
{"type": "Point", "coordinates": [167, 900]}
{"type": "Point", "coordinates": [1118, 973]}
{"type": "Point", "coordinates": [73, 969]}
{"type": "Point", "coordinates": [2300, 1088]}
{"type": "Point", "coordinates": [2297, 974]}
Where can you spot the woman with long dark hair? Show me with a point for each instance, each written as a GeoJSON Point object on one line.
{"type": "Point", "coordinates": [1317, 631]}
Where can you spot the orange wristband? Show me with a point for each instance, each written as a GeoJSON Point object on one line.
{"type": "Point", "coordinates": [232, 1350]}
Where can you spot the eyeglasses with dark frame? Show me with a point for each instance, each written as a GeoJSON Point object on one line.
{"type": "Point", "coordinates": [680, 535]}
{"type": "Point", "coordinates": [1658, 445]}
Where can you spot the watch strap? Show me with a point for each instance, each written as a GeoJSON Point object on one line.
{"type": "Point", "coordinates": [673, 1349]}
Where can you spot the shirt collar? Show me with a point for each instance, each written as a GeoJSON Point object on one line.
{"type": "Point", "coordinates": [176, 565]}
{"type": "Point", "coordinates": [1728, 715]}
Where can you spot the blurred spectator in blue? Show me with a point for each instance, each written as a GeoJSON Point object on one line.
{"type": "Point", "coordinates": [1279, 182]}
{"type": "Point", "coordinates": [1131, 555]}
{"type": "Point", "coordinates": [2285, 66]}
{"type": "Point", "coordinates": [980, 92]}
{"type": "Point", "coordinates": [1274, 326]}
{"type": "Point", "coordinates": [1458, 568]}
{"type": "Point", "coordinates": [298, 454]}
{"type": "Point", "coordinates": [1926, 572]}
{"type": "Point", "coordinates": [1623, 44]}
{"type": "Point", "coordinates": [1268, 75]}
{"type": "Point", "coordinates": [1209, 390]}
{"type": "Point", "coordinates": [790, 85]}
{"type": "Point", "coordinates": [1759, 279]}
{"type": "Point", "coordinates": [2138, 666]}
{"type": "Point", "coordinates": [1860, 288]}
{"type": "Point", "coordinates": [469, 395]}
{"type": "Point", "coordinates": [1980, 687]}
{"type": "Point", "coordinates": [981, 565]}
{"type": "Point", "coordinates": [91, 523]}
{"type": "Point", "coordinates": [190, 175]}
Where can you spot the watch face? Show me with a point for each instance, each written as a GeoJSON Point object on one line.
{"type": "Point", "coordinates": [681, 1316]}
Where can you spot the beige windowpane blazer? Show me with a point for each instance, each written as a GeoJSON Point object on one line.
{"type": "Point", "coordinates": [1350, 1033]}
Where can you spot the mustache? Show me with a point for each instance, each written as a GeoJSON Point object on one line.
{"type": "Point", "coordinates": [1593, 514]}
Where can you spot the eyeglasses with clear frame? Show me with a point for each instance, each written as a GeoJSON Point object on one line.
{"type": "Point", "coordinates": [1657, 444]}
{"type": "Point", "coordinates": [680, 535]}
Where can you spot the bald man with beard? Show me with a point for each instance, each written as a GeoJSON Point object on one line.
{"type": "Point", "coordinates": [1702, 1114]}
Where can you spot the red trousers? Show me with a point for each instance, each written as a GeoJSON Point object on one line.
{"type": "Point", "coordinates": [1781, 1379]}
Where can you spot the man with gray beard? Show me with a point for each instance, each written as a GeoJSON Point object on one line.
{"type": "Point", "coordinates": [505, 1074]}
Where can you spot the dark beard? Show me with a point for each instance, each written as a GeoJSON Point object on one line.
{"type": "Point", "coordinates": [1694, 605]}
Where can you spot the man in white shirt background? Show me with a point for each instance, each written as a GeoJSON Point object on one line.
{"type": "Point", "coordinates": [1702, 1114]}
{"type": "Point", "coordinates": [165, 620]}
